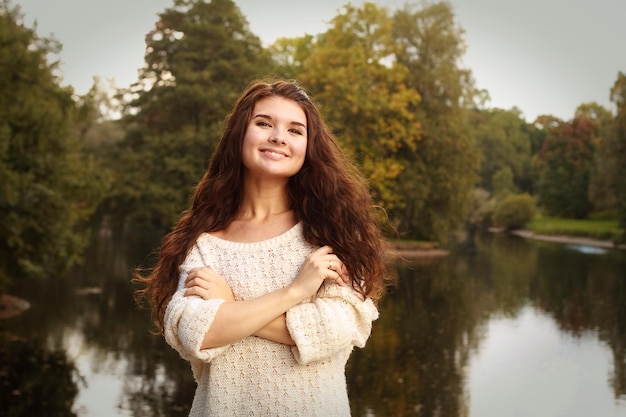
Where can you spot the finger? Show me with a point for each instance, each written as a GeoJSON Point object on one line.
{"type": "Point", "coordinates": [197, 291]}
{"type": "Point", "coordinates": [201, 272]}
{"type": "Point", "coordinates": [341, 282]}
{"type": "Point", "coordinates": [333, 276]}
{"type": "Point", "coordinates": [340, 269]}
{"type": "Point", "coordinates": [323, 250]}
{"type": "Point", "coordinates": [335, 264]}
{"type": "Point", "coordinates": [195, 274]}
{"type": "Point", "coordinates": [343, 272]}
{"type": "Point", "coordinates": [195, 282]}
{"type": "Point", "coordinates": [192, 274]}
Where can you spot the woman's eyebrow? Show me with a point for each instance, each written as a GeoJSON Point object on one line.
{"type": "Point", "coordinates": [268, 117]}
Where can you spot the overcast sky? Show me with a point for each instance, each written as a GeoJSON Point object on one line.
{"type": "Point", "coordinates": [541, 56]}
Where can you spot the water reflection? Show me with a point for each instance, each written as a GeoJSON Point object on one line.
{"type": "Point", "coordinates": [35, 380]}
{"type": "Point", "coordinates": [588, 249]}
{"type": "Point", "coordinates": [552, 309]}
{"type": "Point", "coordinates": [524, 321]}
{"type": "Point", "coordinates": [527, 367]}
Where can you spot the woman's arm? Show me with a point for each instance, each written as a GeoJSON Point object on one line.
{"type": "Point", "coordinates": [236, 320]}
{"type": "Point", "coordinates": [276, 331]}
{"type": "Point", "coordinates": [338, 318]}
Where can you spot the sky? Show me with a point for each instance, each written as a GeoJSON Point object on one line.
{"type": "Point", "coordinates": [540, 56]}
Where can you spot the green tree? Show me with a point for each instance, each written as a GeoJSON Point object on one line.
{"type": "Point", "coordinates": [504, 140]}
{"type": "Point", "coordinates": [503, 182]}
{"type": "Point", "coordinates": [199, 57]}
{"type": "Point", "coordinates": [48, 187]}
{"type": "Point", "coordinates": [514, 211]}
{"type": "Point", "coordinates": [289, 54]}
{"type": "Point", "coordinates": [442, 172]}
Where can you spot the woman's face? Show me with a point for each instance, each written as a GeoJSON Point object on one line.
{"type": "Point", "coordinates": [275, 142]}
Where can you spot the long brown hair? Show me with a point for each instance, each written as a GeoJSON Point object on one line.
{"type": "Point", "coordinates": [328, 195]}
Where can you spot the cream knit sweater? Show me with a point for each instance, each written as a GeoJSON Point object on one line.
{"type": "Point", "coordinates": [257, 377]}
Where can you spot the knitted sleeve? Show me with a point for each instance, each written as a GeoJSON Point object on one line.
{"type": "Point", "coordinates": [187, 319]}
{"type": "Point", "coordinates": [336, 319]}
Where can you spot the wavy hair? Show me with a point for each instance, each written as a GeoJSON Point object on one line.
{"type": "Point", "coordinates": [329, 196]}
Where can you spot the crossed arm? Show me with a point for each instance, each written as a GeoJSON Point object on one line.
{"type": "Point", "coordinates": [264, 316]}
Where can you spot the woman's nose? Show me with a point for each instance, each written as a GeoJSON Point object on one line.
{"type": "Point", "coordinates": [277, 138]}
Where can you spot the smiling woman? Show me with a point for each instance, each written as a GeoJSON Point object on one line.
{"type": "Point", "coordinates": [276, 133]}
{"type": "Point", "coordinates": [270, 279]}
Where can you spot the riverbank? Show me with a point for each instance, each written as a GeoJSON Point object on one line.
{"type": "Point", "coordinates": [414, 251]}
{"type": "Point", "coordinates": [564, 239]}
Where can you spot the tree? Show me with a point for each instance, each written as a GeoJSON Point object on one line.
{"type": "Point", "coordinates": [604, 170]}
{"type": "Point", "coordinates": [564, 166]}
{"type": "Point", "coordinates": [442, 172]}
{"type": "Point", "coordinates": [503, 182]}
{"type": "Point", "coordinates": [392, 89]}
{"type": "Point", "coordinates": [48, 187]}
{"type": "Point", "coordinates": [504, 140]}
{"type": "Point", "coordinates": [288, 55]}
{"type": "Point", "coordinates": [363, 95]}
{"type": "Point", "coordinates": [199, 57]}
{"type": "Point", "coordinates": [514, 211]}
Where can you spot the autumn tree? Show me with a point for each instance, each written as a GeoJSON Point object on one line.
{"type": "Point", "coordinates": [48, 187]}
{"type": "Point", "coordinates": [391, 87]}
{"type": "Point", "coordinates": [351, 72]}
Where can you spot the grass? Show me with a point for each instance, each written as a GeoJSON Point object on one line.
{"type": "Point", "coordinates": [598, 229]}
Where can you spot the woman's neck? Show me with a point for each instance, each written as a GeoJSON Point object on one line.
{"type": "Point", "coordinates": [263, 200]}
{"type": "Point", "coordinates": [264, 213]}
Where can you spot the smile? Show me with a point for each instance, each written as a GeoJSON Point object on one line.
{"type": "Point", "coordinates": [274, 154]}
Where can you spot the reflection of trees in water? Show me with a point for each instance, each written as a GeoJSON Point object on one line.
{"type": "Point", "coordinates": [587, 293]}
{"type": "Point", "coordinates": [431, 322]}
{"type": "Point", "coordinates": [414, 363]}
{"type": "Point", "coordinates": [94, 308]}
{"type": "Point", "coordinates": [157, 381]}
{"type": "Point", "coordinates": [158, 389]}
{"type": "Point", "coordinates": [34, 380]}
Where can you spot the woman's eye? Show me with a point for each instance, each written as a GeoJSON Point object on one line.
{"type": "Point", "coordinates": [296, 131]}
{"type": "Point", "coordinates": [265, 124]}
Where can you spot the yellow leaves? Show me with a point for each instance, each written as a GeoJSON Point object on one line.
{"type": "Point", "coordinates": [351, 70]}
{"type": "Point", "coordinates": [382, 173]}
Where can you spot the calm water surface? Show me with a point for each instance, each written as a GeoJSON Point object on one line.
{"type": "Point", "coordinates": [511, 328]}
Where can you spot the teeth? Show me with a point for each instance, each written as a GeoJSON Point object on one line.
{"type": "Point", "coordinates": [274, 153]}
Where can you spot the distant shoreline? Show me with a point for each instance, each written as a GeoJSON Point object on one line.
{"type": "Point", "coordinates": [572, 240]}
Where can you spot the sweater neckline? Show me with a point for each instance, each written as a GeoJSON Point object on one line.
{"type": "Point", "coordinates": [267, 243]}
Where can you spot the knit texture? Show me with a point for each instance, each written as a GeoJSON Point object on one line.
{"type": "Point", "coordinates": [258, 377]}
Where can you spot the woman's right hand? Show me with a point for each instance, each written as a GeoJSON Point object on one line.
{"type": "Point", "coordinates": [319, 265]}
{"type": "Point", "coordinates": [207, 284]}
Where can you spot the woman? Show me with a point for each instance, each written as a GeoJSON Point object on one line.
{"type": "Point", "coordinates": [270, 278]}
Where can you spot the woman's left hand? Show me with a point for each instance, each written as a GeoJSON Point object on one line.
{"type": "Point", "coordinates": [207, 284]}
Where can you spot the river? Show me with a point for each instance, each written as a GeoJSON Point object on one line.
{"type": "Point", "coordinates": [514, 327]}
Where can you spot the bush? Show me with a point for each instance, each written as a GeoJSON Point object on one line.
{"type": "Point", "coordinates": [514, 211]}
